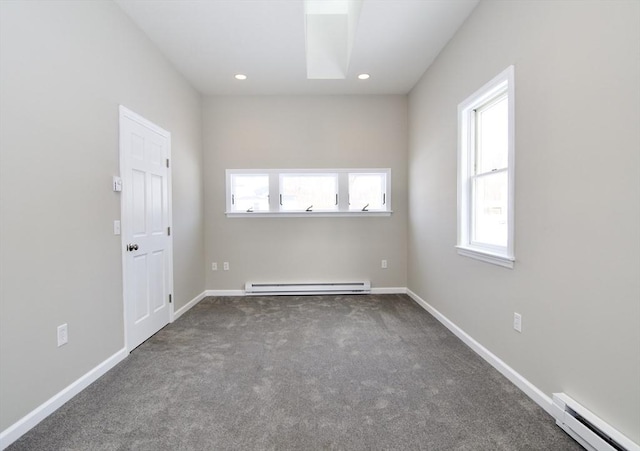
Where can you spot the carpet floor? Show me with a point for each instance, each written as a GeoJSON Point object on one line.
{"type": "Point", "coordinates": [301, 373]}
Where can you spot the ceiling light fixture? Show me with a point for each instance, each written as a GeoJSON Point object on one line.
{"type": "Point", "coordinates": [363, 76]}
{"type": "Point", "coordinates": [240, 77]}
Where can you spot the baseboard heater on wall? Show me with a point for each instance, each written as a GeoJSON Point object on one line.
{"type": "Point", "coordinates": [593, 433]}
{"type": "Point", "coordinates": [252, 288]}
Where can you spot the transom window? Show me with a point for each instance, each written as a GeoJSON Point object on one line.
{"type": "Point", "coordinates": [250, 192]}
{"type": "Point", "coordinates": [367, 191]}
{"type": "Point", "coordinates": [486, 175]}
{"type": "Point", "coordinates": [308, 192]}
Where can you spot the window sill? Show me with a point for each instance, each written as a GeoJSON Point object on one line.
{"type": "Point", "coordinates": [488, 257]}
{"type": "Point", "coordinates": [306, 214]}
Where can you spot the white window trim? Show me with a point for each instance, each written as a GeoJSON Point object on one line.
{"type": "Point", "coordinates": [498, 255]}
{"type": "Point", "coordinates": [274, 194]}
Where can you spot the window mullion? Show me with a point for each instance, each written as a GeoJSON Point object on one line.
{"type": "Point", "coordinates": [274, 191]}
{"type": "Point", "coordinates": [343, 191]}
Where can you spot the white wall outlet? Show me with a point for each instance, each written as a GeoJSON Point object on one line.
{"type": "Point", "coordinates": [214, 266]}
{"type": "Point", "coordinates": [517, 322]}
{"type": "Point", "coordinates": [383, 264]}
{"type": "Point", "coordinates": [225, 266]}
{"type": "Point", "coordinates": [63, 335]}
{"type": "Point", "coordinates": [116, 227]}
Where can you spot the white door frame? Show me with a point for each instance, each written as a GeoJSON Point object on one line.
{"type": "Point", "coordinates": [124, 112]}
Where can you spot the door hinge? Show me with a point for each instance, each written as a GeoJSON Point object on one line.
{"type": "Point", "coordinates": [167, 162]}
{"type": "Point", "coordinates": [169, 231]}
{"type": "Point", "coordinates": [170, 300]}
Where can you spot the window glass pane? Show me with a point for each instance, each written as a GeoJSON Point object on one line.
{"type": "Point", "coordinates": [308, 191]}
{"type": "Point", "coordinates": [367, 190]}
{"type": "Point", "coordinates": [489, 209]}
{"type": "Point", "coordinates": [492, 136]}
{"type": "Point", "coordinates": [250, 192]}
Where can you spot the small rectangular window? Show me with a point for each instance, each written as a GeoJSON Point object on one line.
{"type": "Point", "coordinates": [308, 192]}
{"type": "Point", "coordinates": [249, 192]}
{"type": "Point", "coordinates": [367, 191]}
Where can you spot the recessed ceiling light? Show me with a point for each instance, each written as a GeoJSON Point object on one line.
{"type": "Point", "coordinates": [241, 77]}
{"type": "Point", "coordinates": [363, 76]}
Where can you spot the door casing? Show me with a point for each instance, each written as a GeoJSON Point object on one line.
{"type": "Point", "coordinates": [126, 113]}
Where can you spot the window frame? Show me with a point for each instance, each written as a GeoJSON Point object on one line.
{"type": "Point", "coordinates": [502, 84]}
{"type": "Point", "coordinates": [275, 191]}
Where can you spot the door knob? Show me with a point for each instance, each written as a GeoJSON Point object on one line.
{"type": "Point", "coordinates": [132, 247]}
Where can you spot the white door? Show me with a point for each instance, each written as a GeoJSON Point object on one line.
{"type": "Point", "coordinates": [146, 236]}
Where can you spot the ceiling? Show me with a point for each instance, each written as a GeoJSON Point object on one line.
{"type": "Point", "coordinates": [209, 41]}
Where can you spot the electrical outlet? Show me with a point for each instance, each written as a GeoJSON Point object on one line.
{"type": "Point", "coordinates": [383, 264]}
{"type": "Point", "coordinates": [214, 266]}
{"type": "Point", "coordinates": [63, 335]}
{"type": "Point", "coordinates": [225, 266]}
{"type": "Point", "coordinates": [517, 321]}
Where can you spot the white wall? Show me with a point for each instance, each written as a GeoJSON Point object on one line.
{"type": "Point", "coordinates": [65, 66]}
{"type": "Point", "coordinates": [305, 132]}
{"type": "Point", "coordinates": [576, 280]}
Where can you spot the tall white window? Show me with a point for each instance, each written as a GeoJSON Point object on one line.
{"type": "Point", "coordinates": [486, 172]}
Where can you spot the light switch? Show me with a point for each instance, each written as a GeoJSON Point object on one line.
{"type": "Point", "coordinates": [116, 227]}
{"type": "Point", "coordinates": [117, 183]}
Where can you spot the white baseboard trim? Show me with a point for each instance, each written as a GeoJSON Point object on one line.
{"type": "Point", "coordinates": [225, 293]}
{"type": "Point", "coordinates": [380, 290]}
{"type": "Point", "coordinates": [516, 378]}
{"type": "Point", "coordinates": [185, 308]}
{"type": "Point", "coordinates": [22, 426]}
{"type": "Point", "coordinates": [389, 290]}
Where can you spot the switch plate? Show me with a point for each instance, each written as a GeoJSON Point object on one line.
{"type": "Point", "coordinates": [116, 227]}
{"type": "Point", "coordinates": [225, 266]}
{"type": "Point", "coordinates": [63, 335]}
{"type": "Point", "coordinates": [214, 266]}
{"type": "Point", "coordinates": [383, 264]}
{"type": "Point", "coordinates": [117, 184]}
{"type": "Point", "coordinates": [517, 321]}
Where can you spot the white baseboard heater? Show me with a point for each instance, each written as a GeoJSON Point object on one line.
{"type": "Point", "coordinates": [593, 433]}
{"type": "Point", "coordinates": [253, 288]}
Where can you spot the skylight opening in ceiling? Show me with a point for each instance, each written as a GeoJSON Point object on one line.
{"type": "Point", "coordinates": [330, 27]}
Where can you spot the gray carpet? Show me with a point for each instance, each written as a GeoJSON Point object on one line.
{"type": "Point", "coordinates": [301, 373]}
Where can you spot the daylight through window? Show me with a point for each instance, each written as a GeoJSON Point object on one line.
{"type": "Point", "coordinates": [307, 192]}
{"type": "Point", "coordinates": [486, 176]}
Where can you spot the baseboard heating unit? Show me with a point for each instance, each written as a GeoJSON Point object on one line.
{"type": "Point", "coordinates": [263, 289]}
{"type": "Point", "coordinates": [587, 429]}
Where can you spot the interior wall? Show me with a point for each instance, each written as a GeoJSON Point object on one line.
{"type": "Point", "coordinates": [305, 132]}
{"type": "Point", "coordinates": [577, 182]}
{"type": "Point", "coordinates": [65, 66]}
